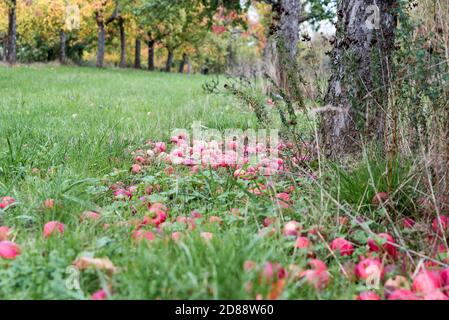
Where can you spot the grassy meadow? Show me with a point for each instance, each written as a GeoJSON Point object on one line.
{"type": "Point", "coordinates": [127, 224]}
{"type": "Point", "coordinates": [64, 132]}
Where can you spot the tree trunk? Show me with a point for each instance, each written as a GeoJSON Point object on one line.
{"type": "Point", "coordinates": [11, 55]}
{"type": "Point", "coordinates": [101, 42]}
{"type": "Point", "coordinates": [282, 46]}
{"type": "Point", "coordinates": [62, 49]}
{"type": "Point", "coordinates": [138, 49]}
{"type": "Point", "coordinates": [230, 59]}
{"type": "Point", "coordinates": [183, 62]}
{"type": "Point", "coordinates": [358, 88]}
{"type": "Point", "coordinates": [289, 26]}
{"type": "Point", "coordinates": [121, 23]}
{"type": "Point", "coordinates": [151, 55]}
{"type": "Point", "coordinates": [169, 62]}
{"type": "Point", "coordinates": [101, 23]}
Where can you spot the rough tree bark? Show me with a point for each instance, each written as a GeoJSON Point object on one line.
{"type": "Point", "coordinates": [151, 55]}
{"type": "Point", "coordinates": [101, 24]}
{"type": "Point", "coordinates": [138, 49]}
{"type": "Point", "coordinates": [101, 45]}
{"type": "Point", "coordinates": [62, 47]}
{"type": "Point", "coordinates": [121, 25]}
{"type": "Point", "coordinates": [358, 88]}
{"type": "Point", "coordinates": [283, 37]}
{"type": "Point", "coordinates": [169, 62]}
{"type": "Point", "coordinates": [101, 40]}
{"type": "Point", "coordinates": [183, 62]}
{"type": "Point", "coordinates": [289, 12]}
{"type": "Point", "coordinates": [11, 51]}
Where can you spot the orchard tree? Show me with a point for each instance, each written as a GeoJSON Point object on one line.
{"type": "Point", "coordinates": [142, 18]}
{"type": "Point", "coordinates": [38, 25]}
{"type": "Point", "coordinates": [169, 30]}
{"type": "Point", "coordinates": [11, 43]}
{"type": "Point", "coordinates": [80, 28]}
{"type": "Point", "coordinates": [69, 20]}
{"type": "Point", "coordinates": [193, 29]}
{"type": "Point", "coordinates": [171, 23]}
{"type": "Point", "coordinates": [3, 29]}
{"type": "Point", "coordinates": [357, 96]}
{"type": "Point", "coordinates": [202, 17]}
{"type": "Point", "coordinates": [58, 21]}
{"type": "Point", "coordinates": [47, 26]}
{"type": "Point", "coordinates": [225, 16]}
{"type": "Point", "coordinates": [124, 16]}
{"type": "Point", "coordinates": [152, 15]}
{"type": "Point", "coordinates": [105, 11]}
{"type": "Point", "coordinates": [137, 44]}
{"type": "Point", "coordinates": [284, 28]}
{"type": "Point", "coordinates": [178, 24]}
{"type": "Point", "coordinates": [121, 26]}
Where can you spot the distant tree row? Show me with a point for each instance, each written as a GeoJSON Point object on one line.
{"type": "Point", "coordinates": [43, 30]}
{"type": "Point", "coordinates": [206, 30]}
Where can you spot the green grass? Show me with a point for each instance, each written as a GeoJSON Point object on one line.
{"type": "Point", "coordinates": [74, 125]}
{"type": "Point", "coordinates": [59, 116]}
{"type": "Point", "coordinates": [62, 130]}
{"type": "Point", "coordinates": [67, 134]}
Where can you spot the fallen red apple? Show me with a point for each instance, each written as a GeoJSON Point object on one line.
{"type": "Point", "coordinates": [342, 246]}
{"type": "Point", "coordinates": [9, 250]}
{"type": "Point", "coordinates": [99, 295]}
{"type": "Point", "coordinates": [90, 215]}
{"type": "Point", "coordinates": [249, 265]}
{"type": "Point", "coordinates": [440, 224]}
{"type": "Point", "coordinates": [402, 294]}
{"type": "Point", "coordinates": [436, 295]}
{"type": "Point", "coordinates": [49, 204]}
{"type": "Point", "coordinates": [6, 202]}
{"type": "Point", "coordinates": [380, 198]}
{"type": "Point", "coordinates": [408, 223]}
{"type": "Point", "coordinates": [268, 221]}
{"type": "Point", "coordinates": [369, 269]}
{"type": "Point", "coordinates": [291, 228]}
{"type": "Point", "coordinates": [215, 219]}
{"type": "Point", "coordinates": [318, 276]}
{"type": "Point", "coordinates": [136, 168]}
{"type": "Point", "coordinates": [283, 200]}
{"type": "Point", "coordinates": [53, 227]}
{"type": "Point", "coordinates": [444, 278]}
{"type": "Point", "coordinates": [368, 295]}
{"type": "Point", "coordinates": [207, 236]}
{"type": "Point", "coordinates": [302, 243]}
{"type": "Point", "coordinates": [387, 245]}
{"type": "Point", "coordinates": [175, 236]}
{"type": "Point", "coordinates": [140, 235]}
{"type": "Point", "coordinates": [426, 282]}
